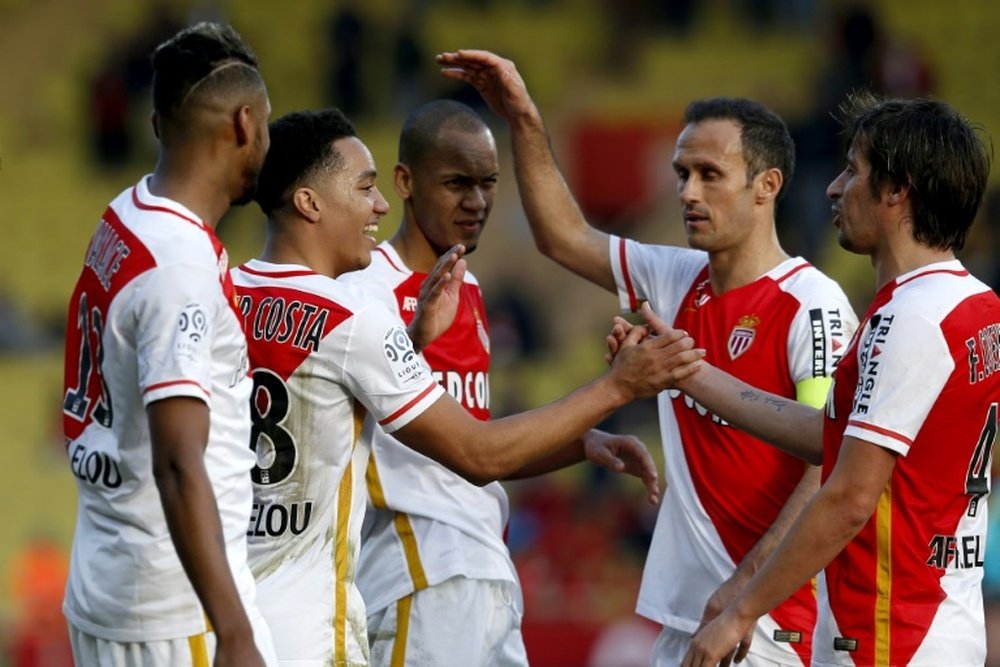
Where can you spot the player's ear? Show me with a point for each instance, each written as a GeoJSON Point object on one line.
{"type": "Point", "coordinates": [402, 180]}
{"type": "Point", "coordinates": [243, 125]}
{"type": "Point", "coordinates": [896, 194]}
{"type": "Point", "coordinates": [306, 202]}
{"type": "Point", "coordinates": [768, 184]}
{"type": "Point", "coordinates": [154, 120]}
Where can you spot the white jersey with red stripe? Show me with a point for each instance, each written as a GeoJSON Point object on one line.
{"type": "Point", "coordinates": [428, 524]}
{"type": "Point", "coordinates": [921, 379]}
{"type": "Point", "coordinates": [152, 317]}
{"type": "Point", "coordinates": [725, 488]}
{"type": "Point", "coordinates": [323, 354]}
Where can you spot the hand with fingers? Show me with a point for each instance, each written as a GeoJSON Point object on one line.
{"type": "Point", "coordinates": [496, 79]}
{"type": "Point", "coordinates": [723, 641]}
{"type": "Point", "coordinates": [437, 303]}
{"type": "Point", "coordinates": [644, 365]}
{"type": "Point", "coordinates": [625, 454]}
{"type": "Point", "coordinates": [619, 329]}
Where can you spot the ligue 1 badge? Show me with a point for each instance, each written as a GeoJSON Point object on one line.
{"type": "Point", "coordinates": [742, 335]}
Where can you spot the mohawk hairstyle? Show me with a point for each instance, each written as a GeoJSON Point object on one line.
{"type": "Point", "coordinates": [201, 59]}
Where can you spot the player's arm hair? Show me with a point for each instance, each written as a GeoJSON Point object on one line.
{"type": "Point", "coordinates": [179, 429]}
{"type": "Point", "coordinates": [557, 224]}
{"type": "Point", "coordinates": [783, 422]}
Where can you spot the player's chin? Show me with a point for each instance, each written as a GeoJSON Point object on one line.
{"type": "Point", "coordinates": [364, 259]}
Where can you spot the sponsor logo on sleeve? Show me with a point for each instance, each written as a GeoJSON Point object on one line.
{"type": "Point", "coordinates": [405, 364]}
{"type": "Point", "coordinates": [192, 329]}
{"type": "Point", "coordinates": [879, 327]}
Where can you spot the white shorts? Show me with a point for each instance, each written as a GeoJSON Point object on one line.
{"type": "Point", "coordinates": [194, 651]}
{"type": "Point", "coordinates": [672, 645]}
{"type": "Point", "coordinates": [457, 623]}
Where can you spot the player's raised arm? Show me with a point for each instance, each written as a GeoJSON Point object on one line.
{"type": "Point", "coordinates": [557, 224]}
{"type": "Point", "coordinates": [644, 366]}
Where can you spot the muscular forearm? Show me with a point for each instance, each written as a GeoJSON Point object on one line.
{"type": "Point", "coordinates": [821, 531]}
{"type": "Point", "coordinates": [559, 459]}
{"type": "Point", "coordinates": [512, 445]}
{"type": "Point", "coordinates": [179, 431]}
{"type": "Point", "coordinates": [769, 541]}
{"type": "Point", "coordinates": [782, 422]}
{"type": "Point", "coordinates": [193, 520]}
{"type": "Point", "coordinates": [557, 224]}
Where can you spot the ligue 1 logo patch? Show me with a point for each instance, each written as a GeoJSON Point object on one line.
{"type": "Point", "coordinates": [742, 335]}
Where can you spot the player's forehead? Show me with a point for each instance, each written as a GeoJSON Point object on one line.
{"type": "Point", "coordinates": [715, 142]}
{"type": "Point", "coordinates": [356, 157]}
{"type": "Point", "coordinates": [464, 153]}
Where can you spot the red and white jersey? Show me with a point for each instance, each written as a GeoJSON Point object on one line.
{"type": "Point", "coordinates": [428, 523]}
{"type": "Point", "coordinates": [323, 355]}
{"type": "Point", "coordinates": [152, 317]}
{"type": "Point", "coordinates": [921, 379]}
{"type": "Point", "coordinates": [725, 488]}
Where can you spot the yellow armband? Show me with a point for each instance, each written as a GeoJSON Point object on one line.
{"type": "Point", "coordinates": [813, 391]}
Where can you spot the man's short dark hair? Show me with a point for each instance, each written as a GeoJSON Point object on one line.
{"type": "Point", "coordinates": [928, 146]}
{"type": "Point", "coordinates": [422, 126]}
{"type": "Point", "coordinates": [301, 148]}
{"type": "Point", "coordinates": [766, 142]}
{"type": "Point", "coordinates": [203, 59]}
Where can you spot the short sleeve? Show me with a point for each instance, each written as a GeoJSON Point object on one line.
{"type": "Point", "coordinates": [659, 274]}
{"type": "Point", "coordinates": [821, 329]}
{"type": "Point", "coordinates": [383, 370]}
{"type": "Point", "coordinates": [904, 363]}
{"type": "Point", "coordinates": [176, 314]}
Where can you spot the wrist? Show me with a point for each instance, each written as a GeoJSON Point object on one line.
{"type": "Point", "coordinates": [527, 119]}
{"type": "Point", "coordinates": [619, 391]}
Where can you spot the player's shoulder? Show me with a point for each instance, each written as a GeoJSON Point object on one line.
{"type": "Point", "coordinates": [658, 250]}
{"type": "Point", "coordinates": [806, 282]}
{"type": "Point", "coordinates": [934, 291]}
{"type": "Point", "coordinates": [169, 231]}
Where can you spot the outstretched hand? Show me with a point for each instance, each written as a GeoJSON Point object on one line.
{"type": "Point", "coordinates": [626, 454]}
{"type": "Point", "coordinates": [496, 79]}
{"type": "Point", "coordinates": [646, 363]}
{"type": "Point", "coordinates": [437, 303]}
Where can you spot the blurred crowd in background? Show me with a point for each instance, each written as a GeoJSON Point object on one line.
{"type": "Point", "coordinates": [612, 78]}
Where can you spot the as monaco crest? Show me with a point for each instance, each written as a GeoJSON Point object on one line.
{"type": "Point", "coordinates": [742, 335]}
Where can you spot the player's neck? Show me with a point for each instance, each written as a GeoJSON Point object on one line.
{"type": "Point", "coordinates": [199, 190]}
{"type": "Point", "coordinates": [284, 247]}
{"type": "Point", "coordinates": [413, 247]}
{"type": "Point", "coordinates": [897, 259]}
{"type": "Point", "coordinates": [741, 265]}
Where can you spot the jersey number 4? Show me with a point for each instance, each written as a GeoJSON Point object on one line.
{"type": "Point", "coordinates": [90, 335]}
{"type": "Point", "coordinates": [977, 482]}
